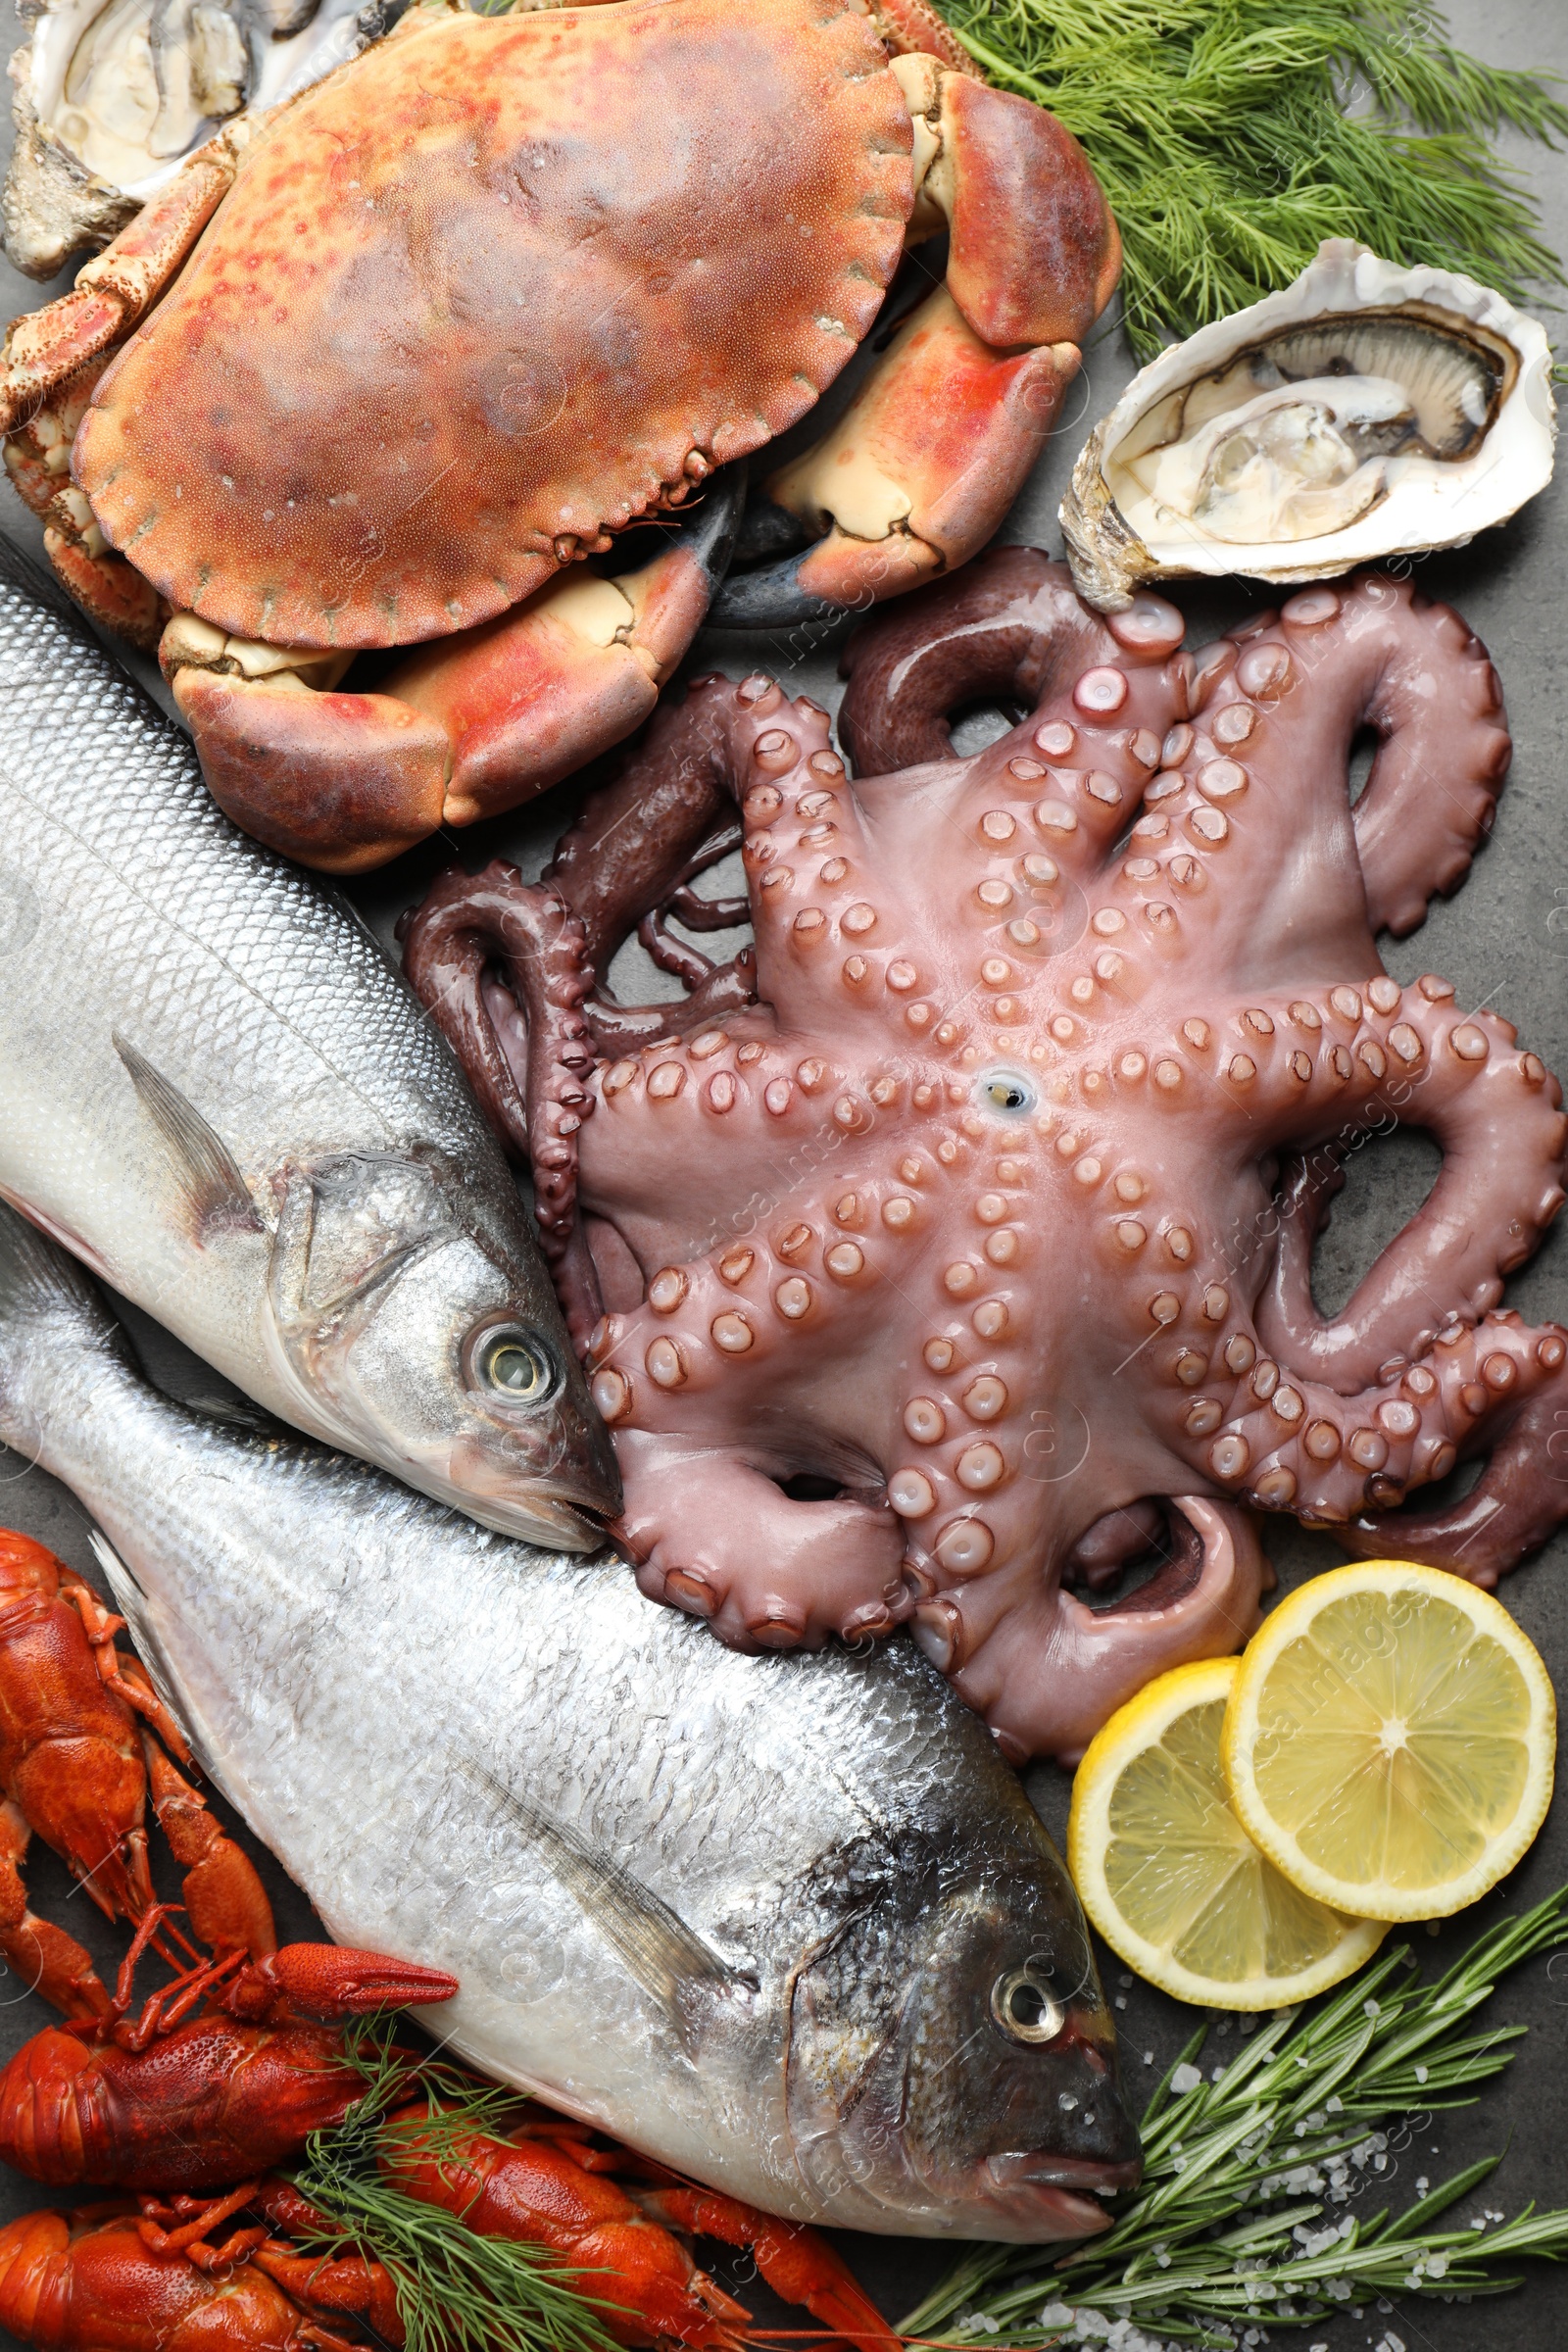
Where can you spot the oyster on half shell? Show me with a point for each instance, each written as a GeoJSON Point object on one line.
{"type": "Point", "coordinates": [112, 95]}
{"type": "Point", "coordinates": [1363, 412]}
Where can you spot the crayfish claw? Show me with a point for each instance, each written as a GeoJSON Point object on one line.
{"type": "Point", "coordinates": [329, 1981]}
{"type": "Point", "coordinates": [41, 1955]}
{"type": "Point", "coordinates": [224, 1897]}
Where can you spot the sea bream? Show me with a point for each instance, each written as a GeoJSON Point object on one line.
{"type": "Point", "coordinates": [788, 1923]}
{"type": "Point", "coordinates": [218, 1094]}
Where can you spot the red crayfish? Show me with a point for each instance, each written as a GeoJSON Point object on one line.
{"type": "Point", "coordinates": [77, 1754]}
{"type": "Point", "coordinates": [225, 2071]}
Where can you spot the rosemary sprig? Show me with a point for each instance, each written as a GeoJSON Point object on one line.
{"type": "Point", "coordinates": [1233, 2222]}
{"type": "Point", "coordinates": [456, 2291]}
{"type": "Point", "coordinates": [1220, 132]}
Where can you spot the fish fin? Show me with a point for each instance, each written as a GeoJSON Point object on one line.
{"type": "Point", "coordinates": [669, 1959]}
{"type": "Point", "coordinates": [131, 1601]}
{"type": "Point", "coordinates": [56, 1231]}
{"type": "Point", "coordinates": [51, 1316]}
{"type": "Point", "coordinates": [37, 1277]}
{"type": "Point", "coordinates": [208, 1177]}
{"type": "Point", "coordinates": [238, 1412]}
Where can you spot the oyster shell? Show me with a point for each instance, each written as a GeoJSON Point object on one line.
{"type": "Point", "coordinates": [112, 95]}
{"type": "Point", "coordinates": [1363, 412]}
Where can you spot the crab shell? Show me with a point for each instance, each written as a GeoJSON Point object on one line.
{"type": "Point", "coordinates": [498, 286]}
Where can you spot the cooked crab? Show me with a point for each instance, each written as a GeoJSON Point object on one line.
{"type": "Point", "coordinates": [376, 368]}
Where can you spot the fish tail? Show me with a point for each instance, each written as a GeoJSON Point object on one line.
{"type": "Point", "coordinates": [53, 1324]}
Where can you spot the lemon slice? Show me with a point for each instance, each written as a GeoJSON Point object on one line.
{"type": "Point", "coordinates": [1170, 1876]}
{"type": "Point", "coordinates": [1390, 1741]}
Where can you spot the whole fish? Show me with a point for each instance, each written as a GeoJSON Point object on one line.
{"type": "Point", "coordinates": [216, 1091]}
{"type": "Point", "coordinates": [788, 1923]}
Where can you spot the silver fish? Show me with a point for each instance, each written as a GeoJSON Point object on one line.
{"type": "Point", "coordinates": [216, 1091]}
{"type": "Point", "coordinates": [788, 1923]}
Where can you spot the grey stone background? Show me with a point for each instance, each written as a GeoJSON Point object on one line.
{"type": "Point", "coordinates": [1504, 942]}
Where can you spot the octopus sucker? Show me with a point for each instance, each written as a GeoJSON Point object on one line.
{"type": "Point", "coordinates": [952, 1246]}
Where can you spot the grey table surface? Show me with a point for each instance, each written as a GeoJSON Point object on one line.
{"type": "Point", "coordinates": [1504, 942]}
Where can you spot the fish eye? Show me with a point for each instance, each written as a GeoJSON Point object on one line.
{"type": "Point", "coordinates": [512, 1365]}
{"type": "Point", "coordinates": [1009, 1092]}
{"type": "Point", "coordinates": [1025, 2007]}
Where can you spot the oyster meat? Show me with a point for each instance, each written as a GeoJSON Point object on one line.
{"type": "Point", "coordinates": [112, 95]}
{"type": "Point", "coordinates": [1363, 412]}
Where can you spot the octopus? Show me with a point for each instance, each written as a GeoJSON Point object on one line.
{"type": "Point", "coordinates": [946, 1254]}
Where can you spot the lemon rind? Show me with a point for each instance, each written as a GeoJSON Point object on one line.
{"type": "Point", "coordinates": [1391, 1905]}
{"type": "Point", "coordinates": [1134, 1728]}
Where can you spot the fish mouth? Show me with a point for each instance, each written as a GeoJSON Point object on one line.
{"type": "Point", "coordinates": [539, 1514]}
{"type": "Point", "coordinates": [1050, 2190]}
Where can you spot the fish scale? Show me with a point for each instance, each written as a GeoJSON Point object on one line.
{"type": "Point", "coordinates": [751, 1913]}
{"type": "Point", "coordinates": [283, 1043]}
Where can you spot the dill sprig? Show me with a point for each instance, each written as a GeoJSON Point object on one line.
{"type": "Point", "coordinates": [1220, 132]}
{"type": "Point", "coordinates": [456, 2291]}
{"type": "Point", "coordinates": [1232, 2225]}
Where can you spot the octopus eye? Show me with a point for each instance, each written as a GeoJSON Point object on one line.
{"type": "Point", "coordinates": [1025, 2007]}
{"type": "Point", "coordinates": [512, 1364]}
{"type": "Point", "coordinates": [1009, 1092]}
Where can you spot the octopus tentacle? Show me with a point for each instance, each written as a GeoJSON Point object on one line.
{"type": "Point", "coordinates": [1293, 1445]}
{"type": "Point", "coordinates": [525, 1047]}
{"type": "Point", "coordinates": [1045, 1670]}
{"type": "Point", "coordinates": [721, 1541]}
{"type": "Point", "coordinates": [1519, 1502]}
{"type": "Point", "coordinates": [1498, 1115]}
{"type": "Point", "coordinates": [1254, 798]}
{"type": "Point", "coordinates": [1419, 822]}
{"type": "Point", "coordinates": [1011, 627]}
{"type": "Point", "coordinates": [630, 861]}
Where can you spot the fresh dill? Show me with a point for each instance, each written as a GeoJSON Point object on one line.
{"type": "Point", "coordinates": [1231, 135]}
{"type": "Point", "coordinates": [455, 2290]}
{"type": "Point", "coordinates": [1236, 2224]}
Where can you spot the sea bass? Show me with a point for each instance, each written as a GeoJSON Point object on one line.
{"type": "Point", "coordinates": [216, 1091]}
{"type": "Point", "coordinates": [788, 1923]}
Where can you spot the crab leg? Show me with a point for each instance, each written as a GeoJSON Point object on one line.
{"type": "Point", "coordinates": [50, 365]}
{"type": "Point", "coordinates": [465, 727]}
{"type": "Point", "coordinates": [915, 476]}
{"type": "Point", "coordinates": [924, 464]}
{"type": "Point", "coordinates": [115, 289]}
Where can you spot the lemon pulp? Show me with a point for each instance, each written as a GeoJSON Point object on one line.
{"type": "Point", "coordinates": [1168, 1874]}
{"type": "Point", "coordinates": [1389, 1742]}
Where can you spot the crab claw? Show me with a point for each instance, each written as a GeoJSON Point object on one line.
{"type": "Point", "coordinates": [1034, 252]}
{"type": "Point", "coordinates": [923, 467]}
{"type": "Point", "coordinates": [331, 1980]}
{"type": "Point", "coordinates": [917, 475]}
{"type": "Point", "coordinates": [462, 728]}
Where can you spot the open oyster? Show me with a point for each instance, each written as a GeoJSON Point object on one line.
{"type": "Point", "coordinates": [1366, 410]}
{"type": "Point", "coordinates": [112, 95]}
